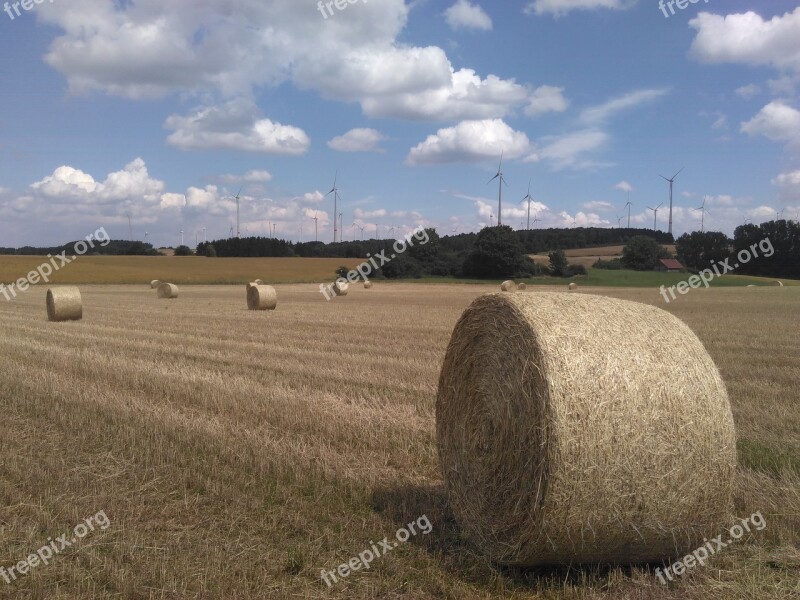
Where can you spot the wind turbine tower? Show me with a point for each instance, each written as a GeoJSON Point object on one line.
{"type": "Point", "coordinates": [655, 215]}
{"type": "Point", "coordinates": [671, 181]}
{"type": "Point", "coordinates": [335, 192]}
{"type": "Point", "coordinates": [529, 198]}
{"type": "Point", "coordinates": [501, 181]}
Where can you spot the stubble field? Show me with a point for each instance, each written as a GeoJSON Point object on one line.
{"type": "Point", "coordinates": [237, 454]}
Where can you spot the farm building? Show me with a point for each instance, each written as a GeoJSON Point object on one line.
{"type": "Point", "coordinates": [670, 265]}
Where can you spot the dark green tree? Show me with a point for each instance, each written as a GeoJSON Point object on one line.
{"type": "Point", "coordinates": [643, 253]}
{"type": "Point", "coordinates": [697, 250]}
{"type": "Point", "coordinates": [497, 254]}
{"type": "Point", "coordinates": [183, 251]}
{"type": "Point", "coordinates": [558, 263]}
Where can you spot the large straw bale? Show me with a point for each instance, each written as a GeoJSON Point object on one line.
{"type": "Point", "coordinates": [508, 286]}
{"type": "Point", "coordinates": [574, 428]}
{"type": "Point", "coordinates": [167, 291]}
{"type": "Point", "coordinates": [64, 304]}
{"type": "Point", "coordinates": [261, 297]}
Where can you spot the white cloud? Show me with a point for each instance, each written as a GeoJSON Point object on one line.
{"type": "Point", "coordinates": [366, 214]}
{"type": "Point", "coordinates": [256, 176]}
{"type": "Point", "coordinates": [546, 99]}
{"type": "Point", "coordinates": [777, 121]}
{"type": "Point", "coordinates": [790, 179]}
{"type": "Point", "coordinates": [598, 205]}
{"type": "Point", "coordinates": [470, 141]}
{"type": "Point", "coordinates": [746, 38]}
{"type": "Point", "coordinates": [235, 125]}
{"type": "Point", "coordinates": [358, 140]}
{"type": "Point", "coordinates": [562, 7]}
{"type": "Point", "coordinates": [720, 123]}
{"type": "Point", "coordinates": [624, 186]}
{"type": "Point", "coordinates": [567, 151]}
{"type": "Point", "coordinates": [465, 15]}
{"type": "Point", "coordinates": [602, 112]}
{"type": "Point", "coordinates": [153, 49]}
{"type": "Point", "coordinates": [748, 91]}
{"type": "Point", "coordinates": [463, 96]}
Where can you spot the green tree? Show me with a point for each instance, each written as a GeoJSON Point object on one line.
{"type": "Point", "coordinates": [183, 251]}
{"type": "Point", "coordinates": [497, 254]}
{"type": "Point", "coordinates": [643, 253]}
{"type": "Point", "coordinates": [697, 250]}
{"type": "Point", "coordinates": [558, 263]}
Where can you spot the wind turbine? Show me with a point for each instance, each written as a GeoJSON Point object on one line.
{"type": "Point", "coordinates": [499, 190]}
{"type": "Point", "coordinates": [377, 235]}
{"type": "Point", "coordinates": [628, 206]}
{"type": "Point", "coordinates": [237, 197]}
{"type": "Point", "coordinates": [130, 228]}
{"type": "Point", "coordinates": [574, 222]}
{"type": "Point", "coordinates": [619, 222]}
{"type": "Point", "coordinates": [536, 219]}
{"type": "Point", "coordinates": [491, 219]}
{"type": "Point", "coordinates": [335, 192]}
{"type": "Point", "coordinates": [316, 236]}
{"type": "Point", "coordinates": [671, 181]}
{"type": "Point", "coordinates": [181, 237]}
{"type": "Point", "coordinates": [341, 229]}
{"type": "Point", "coordinates": [779, 213]}
{"type": "Point", "coordinates": [655, 215]}
{"type": "Point", "coordinates": [529, 198]}
{"type": "Point", "coordinates": [703, 211]}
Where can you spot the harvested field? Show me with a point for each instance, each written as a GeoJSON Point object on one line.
{"type": "Point", "coordinates": [239, 453]}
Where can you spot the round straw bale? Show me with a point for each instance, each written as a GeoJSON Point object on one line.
{"type": "Point", "coordinates": [154, 284]}
{"type": "Point", "coordinates": [522, 287]}
{"type": "Point", "coordinates": [252, 284]}
{"type": "Point", "coordinates": [573, 286]}
{"type": "Point", "coordinates": [261, 297]}
{"type": "Point", "coordinates": [64, 304]}
{"type": "Point", "coordinates": [258, 281]}
{"type": "Point", "coordinates": [508, 286]}
{"type": "Point", "coordinates": [778, 283]}
{"type": "Point", "coordinates": [167, 291]}
{"type": "Point", "coordinates": [574, 428]}
{"type": "Point", "coordinates": [752, 285]}
{"type": "Point", "coordinates": [341, 289]}
{"type": "Point", "coordinates": [367, 285]}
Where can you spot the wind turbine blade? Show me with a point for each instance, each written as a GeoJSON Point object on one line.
{"type": "Point", "coordinates": [501, 161]}
{"type": "Point", "coordinates": [678, 173]}
{"type": "Point", "coordinates": [492, 179]}
{"type": "Point", "coordinates": [664, 178]}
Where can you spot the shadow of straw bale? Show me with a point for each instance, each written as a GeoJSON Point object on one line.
{"type": "Point", "coordinates": [406, 503]}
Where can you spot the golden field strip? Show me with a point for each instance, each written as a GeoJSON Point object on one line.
{"type": "Point", "coordinates": [237, 454]}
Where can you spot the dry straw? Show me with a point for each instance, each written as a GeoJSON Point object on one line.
{"type": "Point", "coordinates": [522, 287]}
{"type": "Point", "coordinates": [573, 286]}
{"type": "Point", "coordinates": [154, 284]}
{"type": "Point", "coordinates": [508, 286]}
{"type": "Point", "coordinates": [341, 289]}
{"type": "Point", "coordinates": [261, 297]}
{"type": "Point", "coordinates": [574, 428]}
{"type": "Point", "coordinates": [64, 304]}
{"type": "Point", "coordinates": [367, 285]}
{"type": "Point", "coordinates": [167, 291]}
{"type": "Point", "coordinates": [778, 284]}
{"type": "Point", "coordinates": [258, 282]}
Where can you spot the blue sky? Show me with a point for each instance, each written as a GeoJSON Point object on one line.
{"type": "Point", "coordinates": [163, 110]}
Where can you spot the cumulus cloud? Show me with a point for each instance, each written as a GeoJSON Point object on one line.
{"type": "Point", "coordinates": [569, 150]}
{"type": "Point", "coordinates": [546, 99]}
{"type": "Point", "coordinates": [235, 125]}
{"type": "Point", "coordinates": [598, 205]}
{"type": "Point", "coordinates": [470, 141]}
{"type": "Point", "coordinates": [748, 91]}
{"type": "Point", "coordinates": [152, 49]}
{"type": "Point", "coordinates": [603, 112]}
{"type": "Point", "coordinates": [466, 15]}
{"type": "Point", "coordinates": [562, 7]}
{"type": "Point", "coordinates": [748, 39]}
{"type": "Point", "coordinates": [777, 121]}
{"type": "Point", "coordinates": [358, 140]}
{"type": "Point", "coordinates": [790, 179]}
{"type": "Point", "coordinates": [624, 186]}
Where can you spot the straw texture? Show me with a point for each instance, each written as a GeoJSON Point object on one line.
{"type": "Point", "coordinates": [64, 304]}
{"type": "Point", "coordinates": [154, 284]}
{"type": "Point", "coordinates": [341, 289]}
{"type": "Point", "coordinates": [258, 282]}
{"type": "Point", "coordinates": [261, 297]}
{"type": "Point", "coordinates": [574, 428]}
{"type": "Point", "coordinates": [367, 285]}
{"type": "Point", "coordinates": [522, 287]}
{"type": "Point", "coordinates": [573, 286]}
{"type": "Point", "coordinates": [167, 291]}
{"type": "Point", "coordinates": [508, 286]}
